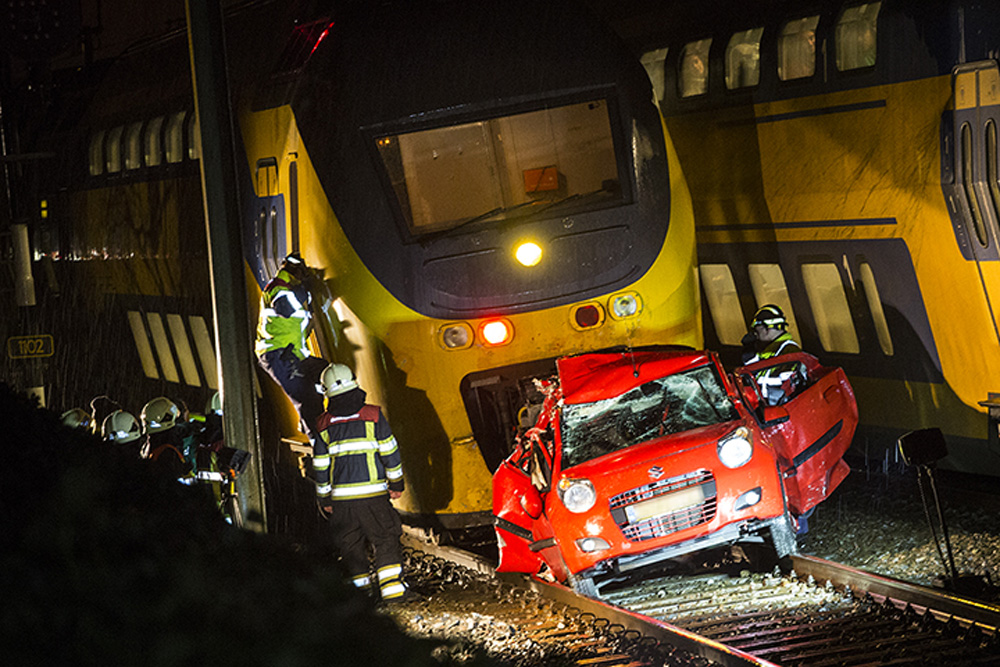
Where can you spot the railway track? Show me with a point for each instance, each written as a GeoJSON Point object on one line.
{"type": "Point", "coordinates": [819, 614]}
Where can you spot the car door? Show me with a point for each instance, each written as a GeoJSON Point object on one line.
{"type": "Point", "coordinates": [517, 506]}
{"type": "Point", "coordinates": [812, 430]}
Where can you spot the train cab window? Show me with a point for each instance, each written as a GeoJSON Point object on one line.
{"type": "Point", "coordinates": [194, 137]}
{"type": "Point", "coordinates": [875, 307]}
{"type": "Point", "coordinates": [96, 153]}
{"type": "Point", "coordinates": [174, 141]}
{"type": "Point", "coordinates": [854, 36]}
{"type": "Point", "coordinates": [546, 160]}
{"type": "Point", "coordinates": [797, 48]}
{"type": "Point", "coordinates": [693, 79]}
{"type": "Point", "coordinates": [133, 146]}
{"type": "Point", "coordinates": [113, 157]}
{"type": "Point", "coordinates": [768, 283]}
{"type": "Point", "coordinates": [743, 59]}
{"type": "Point", "coordinates": [153, 145]}
{"type": "Point", "coordinates": [828, 303]}
{"type": "Point", "coordinates": [723, 302]}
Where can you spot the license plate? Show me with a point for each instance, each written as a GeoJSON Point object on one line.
{"type": "Point", "coordinates": [665, 504]}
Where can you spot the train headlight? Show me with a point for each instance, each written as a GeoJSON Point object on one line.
{"type": "Point", "coordinates": [457, 336]}
{"type": "Point", "coordinates": [578, 495]}
{"type": "Point", "coordinates": [528, 253]}
{"type": "Point", "coordinates": [497, 332]}
{"type": "Point", "coordinates": [625, 305]}
{"type": "Point", "coordinates": [736, 448]}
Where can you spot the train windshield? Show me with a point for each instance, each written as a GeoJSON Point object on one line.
{"type": "Point", "coordinates": [664, 406]}
{"type": "Point", "coordinates": [504, 167]}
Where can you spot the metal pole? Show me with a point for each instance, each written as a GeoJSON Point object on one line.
{"type": "Point", "coordinates": [206, 39]}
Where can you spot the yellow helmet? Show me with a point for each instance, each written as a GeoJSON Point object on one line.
{"type": "Point", "coordinates": [336, 379]}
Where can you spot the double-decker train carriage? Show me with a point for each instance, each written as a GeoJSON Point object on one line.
{"type": "Point", "coordinates": [842, 160]}
{"type": "Point", "coordinates": [482, 186]}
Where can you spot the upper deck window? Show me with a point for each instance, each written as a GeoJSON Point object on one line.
{"type": "Point", "coordinates": [174, 143]}
{"type": "Point", "coordinates": [153, 144]}
{"type": "Point", "coordinates": [743, 59]}
{"type": "Point", "coordinates": [797, 48]}
{"type": "Point", "coordinates": [693, 79]}
{"type": "Point", "coordinates": [97, 153]}
{"type": "Point", "coordinates": [133, 145]}
{"type": "Point", "coordinates": [855, 36]}
{"type": "Point", "coordinates": [113, 158]}
{"type": "Point", "coordinates": [503, 167]}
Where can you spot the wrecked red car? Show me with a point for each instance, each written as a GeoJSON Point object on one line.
{"type": "Point", "coordinates": [640, 456]}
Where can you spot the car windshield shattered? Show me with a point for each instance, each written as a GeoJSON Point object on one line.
{"type": "Point", "coordinates": [668, 405]}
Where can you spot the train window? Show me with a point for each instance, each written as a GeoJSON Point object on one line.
{"type": "Point", "coordinates": [854, 37]}
{"type": "Point", "coordinates": [141, 337]}
{"type": "Point", "coordinates": [654, 62]}
{"type": "Point", "coordinates": [174, 142]}
{"type": "Point", "coordinates": [968, 182]}
{"type": "Point", "coordinates": [831, 313]}
{"type": "Point", "coordinates": [992, 178]}
{"type": "Point", "coordinates": [162, 346]}
{"type": "Point", "coordinates": [875, 306]}
{"type": "Point", "coordinates": [194, 137]}
{"type": "Point", "coordinates": [723, 302]}
{"type": "Point", "coordinates": [97, 153]}
{"type": "Point", "coordinates": [743, 59]}
{"type": "Point", "coordinates": [693, 79]}
{"type": "Point", "coordinates": [206, 352]}
{"type": "Point", "coordinates": [153, 144]}
{"type": "Point", "coordinates": [133, 146]}
{"type": "Point", "coordinates": [178, 333]}
{"type": "Point", "coordinates": [113, 158]}
{"type": "Point", "coordinates": [797, 48]}
{"type": "Point", "coordinates": [768, 283]}
{"type": "Point", "coordinates": [503, 167]}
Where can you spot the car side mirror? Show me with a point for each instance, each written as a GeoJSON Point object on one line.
{"type": "Point", "coordinates": [774, 415]}
{"type": "Point", "coordinates": [531, 502]}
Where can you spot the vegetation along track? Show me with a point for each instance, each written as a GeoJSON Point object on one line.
{"type": "Point", "coordinates": [819, 613]}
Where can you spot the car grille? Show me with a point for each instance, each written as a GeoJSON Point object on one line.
{"type": "Point", "coordinates": [677, 503]}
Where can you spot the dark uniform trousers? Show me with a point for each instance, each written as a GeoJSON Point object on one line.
{"type": "Point", "coordinates": [298, 379]}
{"type": "Point", "coordinates": [375, 520]}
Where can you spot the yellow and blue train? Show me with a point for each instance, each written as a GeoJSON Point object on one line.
{"type": "Point", "coordinates": [483, 186]}
{"type": "Point", "coordinates": [843, 163]}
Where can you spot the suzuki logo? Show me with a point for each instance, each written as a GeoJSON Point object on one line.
{"type": "Point", "coordinates": [656, 472]}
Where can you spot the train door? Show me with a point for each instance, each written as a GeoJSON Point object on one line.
{"type": "Point", "coordinates": [976, 97]}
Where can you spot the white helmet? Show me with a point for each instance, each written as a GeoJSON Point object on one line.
{"type": "Point", "coordinates": [120, 427]}
{"type": "Point", "coordinates": [160, 414]}
{"type": "Point", "coordinates": [336, 379]}
{"type": "Point", "coordinates": [214, 404]}
{"type": "Point", "coordinates": [77, 418]}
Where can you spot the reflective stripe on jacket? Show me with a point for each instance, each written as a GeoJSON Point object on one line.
{"type": "Point", "coordinates": [285, 318]}
{"type": "Point", "coordinates": [356, 456]}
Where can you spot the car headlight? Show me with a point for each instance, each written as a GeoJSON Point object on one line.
{"type": "Point", "coordinates": [578, 495]}
{"type": "Point", "coordinates": [736, 448]}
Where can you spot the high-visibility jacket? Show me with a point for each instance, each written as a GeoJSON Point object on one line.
{"type": "Point", "coordinates": [771, 380]}
{"type": "Point", "coordinates": [285, 317]}
{"type": "Point", "coordinates": [356, 456]}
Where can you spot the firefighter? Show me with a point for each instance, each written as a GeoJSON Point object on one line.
{"type": "Point", "coordinates": [165, 437]}
{"type": "Point", "coordinates": [282, 331]}
{"type": "Point", "coordinates": [358, 470]}
{"type": "Point", "coordinates": [121, 428]}
{"type": "Point", "coordinates": [77, 418]}
{"type": "Point", "coordinates": [768, 337]}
